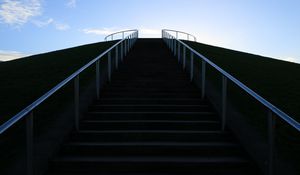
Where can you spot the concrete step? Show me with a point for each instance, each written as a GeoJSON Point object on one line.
{"type": "Point", "coordinates": [166, 164]}
{"type": "Point", "coordinates": [149, 135]}
{"type": "Point", "coordinates": [150, 95]}
{"type": "Point", "coordinates": [128, 89]}
{"type": "Point", "coordinates": [95, 149]}
{"type": "Point", "coordinates": [153, 108]}
{"type": "Point", "coordinates": [150, 115]}
{"type": "Point", "coordinates": [151, 101]}
{"type": "Point", "coordinates": [149, 125]}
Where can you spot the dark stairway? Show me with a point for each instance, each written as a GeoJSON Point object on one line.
{"type": "Point", "coordinates": [151, 120]}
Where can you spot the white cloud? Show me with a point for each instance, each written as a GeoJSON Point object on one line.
{"type": "Point", "coordinates": [102, 31]}
{"type": "Point", "coordinates": [71, 3]}
{"type": "Point", "coordinates": [61, 26]}
{"type": "Point", "coordinates": [43, 23]}
{"type": "Point", "coordinates": [51, 21]}
{"type": "Point", "coordinates": [19, 12]}
{"type": "Point", "coordinates": [10, 55]}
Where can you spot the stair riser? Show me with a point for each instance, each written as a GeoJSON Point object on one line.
{"type": "Point", "coordinates": [152, 116]}
{"type": "Point", "coordinates": [141, 86]}
{"type": "Point", "coordinates": [140, 137]}
{"type": "Point", "coordinates": [149, 90]}
{"type": "Point", "coordinates": [150, 101]}
{"type": "Point", "coordinates": [114, 150]}
{"type": "Point", "coordinates": [148, 95]}
{"type": "Point", "coordinates": [149, 126]}
{"type": "Point", "coordinates": [123, 167]}
{"type": "Point", "coordinates": [177, 108]}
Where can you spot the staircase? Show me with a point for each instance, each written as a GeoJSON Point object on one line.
{"type": "Point", "coordinates": [151, 120]}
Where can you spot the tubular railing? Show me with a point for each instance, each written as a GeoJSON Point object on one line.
{"type": "Point", "coordinates": [188, 36]}
{"type": "Point", "coordinates": [273, 112]}
{"type": "Point", "coordinates": [123, 32]}
{"type": "Point", "coordinates": [121, 49]}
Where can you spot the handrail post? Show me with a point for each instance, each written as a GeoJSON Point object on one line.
{"type": "Point", "coordinates": [29, 143]}
{"type": "Point", "coordinates": [271, 139]}
{"type": "Point", "coordinates": [175, 47]}
{"type": "Point", "coordinates": [117, 57]}
{"type": "Point", "coordinates": [123, 35]}
{"type": "Point", "coordinates": [76, 101]}
{"type": "Point", "coordinates": [184, 57]}
{"type": "Point", "coordinates": [122, 52]}
{"type": "Point", "coordinates": [178, 52]}
{"type": "Point", "coordinates": [128, 44]}
{"type": "Point", "coordinates": [203, 79]}
{"type": "Point", "coordinates": [192, 66]}
{"type": "Point", "coordinates": [172, 44]}
{"type": "Point", "coordinates": [98, 79]}
{"type": "Point", "coordinates": [109, 66]}
{"type": "Point", "coordinates": [224, 101]}
{"type": "Point", "coordinates": [125, 47]}
{"type": "Point", "coordinates": [188, 37]}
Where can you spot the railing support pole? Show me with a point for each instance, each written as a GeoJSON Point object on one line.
{"type": "Point", "coordinates": [125, 48]}
{"type": "Point", "coordinates": [224, 101]}
{"type": "Point", "coordinates": [203, 79]}
{"type": "Point", "coordinates": [184, 57]}
{"type": "Point", "coordinates": [174, 47]}
{"type": "Point", "coordinates": [117, 57]}
{"type": "Point", "coordinates": [98, 79]}
{"type": "Point", "coordinates": [122, 51]}
{"type": "Point", "coordinates": [192, 66]}
{"type": "Point", "coordinates": [172, 44]}
{"type": "Point", "coordinates": [29, 143]}
{"type": "Point", "coordinates": [176, 35]}
{"type": "Point", "coordinates": [109, 66]}
{"type": "Point", "coordinates": [271, 135]}
{"type": "Point", "coordinates": [178, 52]}
{"type": "Point", "coordinates": [128, 45]}
{"type": "Point", "coordinates": [76, 101]}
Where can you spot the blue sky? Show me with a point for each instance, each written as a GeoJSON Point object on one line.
{"type": "Point", "coordinates": [265, 27]}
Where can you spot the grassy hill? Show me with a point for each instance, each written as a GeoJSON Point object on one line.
{"type": "Point", "coordinates": [275, 80]}
{"type": "Point", "coordinates": [24, 80]}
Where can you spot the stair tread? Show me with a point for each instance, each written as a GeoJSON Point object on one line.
{"type": "Point", "coordinates": [147, 105]}
{"type": "Point", "coordinates": [143, 159]}
{"type": "Point", "coordinates": [150, 121]}
{"type": "Point", "coordinates": [190, 144]}
{"type": "Point", "coordinates": [151, 131]}
{"type": "Point", "coordinates": [148, 112]}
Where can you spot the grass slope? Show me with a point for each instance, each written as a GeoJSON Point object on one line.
{"type": "Point", "coordinates": [275, 80]}
{"type": "Point", "coordinates": [24, 80]}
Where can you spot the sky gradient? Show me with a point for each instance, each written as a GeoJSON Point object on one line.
{"type": "Point", "coordinates": [264, 27]}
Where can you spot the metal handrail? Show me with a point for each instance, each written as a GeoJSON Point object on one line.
{"type": "Point", "coordinates": [176, 31]}
{"type": "Point", "coordinates": [44, 97]}
{"type": "Point", "coordinates": [123, 34]}
{"type": "Point", "coordinates": [263, 101]}
{"type": "Point", "coordinates": [175, 45]}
